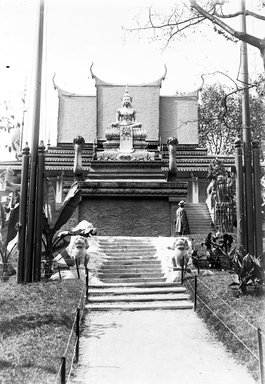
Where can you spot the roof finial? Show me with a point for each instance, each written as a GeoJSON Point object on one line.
{"type": "Point", "coordinates": [126, 93]}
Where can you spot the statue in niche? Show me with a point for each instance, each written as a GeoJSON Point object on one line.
{"type": "Point", "coordinates": [125, 135]}
{"type": "Point", "coordinates": [172, 144]}
{"type": "Point", "coordinates": [126, 115]}
{"type": "Point", "coordinates": [79, 143]}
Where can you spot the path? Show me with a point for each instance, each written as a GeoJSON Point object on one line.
{"type": "Point", "coordinates": [153, 347]}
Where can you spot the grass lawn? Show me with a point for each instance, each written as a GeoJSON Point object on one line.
{"type": "Point", "coordinates": [243, 315]}
{"type": "Point", "coordinates": [35, 322]}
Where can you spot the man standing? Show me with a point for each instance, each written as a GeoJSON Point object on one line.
{"type": "Point", "coordinates": [182, 224]}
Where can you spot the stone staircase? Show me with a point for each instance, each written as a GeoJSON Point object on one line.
{"type": "Point", "coordinates": [199, 218]}
{"type": "Point", "coordinates": [133, 279]}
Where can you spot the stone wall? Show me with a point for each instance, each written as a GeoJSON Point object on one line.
{"type": "Point", "coordinates": [77, 116]}
{"type": "Point", "coordinates": [161, 116]}
{"type": "Point", "coordinates": [127, 216]}
{"type": "Point", "coordinates": [179, 118]}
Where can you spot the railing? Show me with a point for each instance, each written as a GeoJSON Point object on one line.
{"type": "Point", "coordinates": [72, 347]}
{"type": "Point", "coordinates": [258, 357]}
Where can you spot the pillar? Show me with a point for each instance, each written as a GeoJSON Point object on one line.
{"type": "Point", "coordinates": [257, 199]}
{"type": "Point", "coordinates": [240, 212]}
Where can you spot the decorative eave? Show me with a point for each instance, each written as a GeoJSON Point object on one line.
{"type": "Point", "coordinates": [156, 83]}
{"type": "Point", "coordinates": [15, 165]}
{"type": "Point", "coordinates": [194, 93]}
{"type": "Point", "coordinates": [63, 92]}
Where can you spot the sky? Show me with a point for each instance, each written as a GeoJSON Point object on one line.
{"type": "Point", "coordinates": [79, 32]}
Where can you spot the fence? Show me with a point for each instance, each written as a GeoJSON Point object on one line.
{"type": "Point", "coordinates": [259, 334]}
{"type": "Point", "coordinates": [71, 351]}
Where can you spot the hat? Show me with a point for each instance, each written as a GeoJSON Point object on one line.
{"type": "Point", "coordinates": [182, 202]}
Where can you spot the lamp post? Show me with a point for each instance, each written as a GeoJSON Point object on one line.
{"type": "Point", "coordinates": [241, 225]}
{"type": "Point", "coordinates": [248, 184]}
{"type": "Point", "coordinates": [33, 197]}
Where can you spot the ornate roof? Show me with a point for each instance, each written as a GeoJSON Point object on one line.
{"type": "Point", "coordinates": [155, 83]}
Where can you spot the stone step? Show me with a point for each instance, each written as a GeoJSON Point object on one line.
{"type": "Point", "coordinates": [134, 280]}
{"type": "Point", "coordinates": [130, 290]}
{"type": "Point", "coordinates": [195, 219]}
{"type": "Point", "coordinates": [199, 207]}
{"type": "Point", "coordinates": [132, 260]}
{"type": "Point", "coordinates": [133, 263]}
{"type": "Point", "coordinates": [132, 256]}
{"type": "Point", "coordinates": [128, 251]}
{"type": "Point", "coordinates": [125, 240]}
{"type": "Point", "coordinates": [137, 285]}
{"type": "Point", "coordinates": [137, 298]}
{"type": "Point", "coordinates": [127, 245]}
{"type": "Point", "coordinates": [205, 221]}
{"type": "Point", "coordinates": [125, 275]}
{"type": "Point", "coordinates": [140, 306]}
{"type": "Point", "coordinates": [199, 218]}
{"type": "Point", "coordinates": [127, 269]}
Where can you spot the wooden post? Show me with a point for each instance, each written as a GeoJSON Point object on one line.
{"type": "Point", "coordinates": [77, 268]}
{"type": "Point", "coordinates": [63, 373]}
{"type": "Point", "coordinates": [87, 281]}
{"type": "Point", "coordinates": [182, 273]}
{"type": "Point", "coordinates": [241, 227]}
{"type": "Point", "coordinates": [260, 357]}
{"type": "Point", "coordinates": [23, 216]}
{"type": "Point", "coordinates": [195, 293]}
{"type": "Point", "coordinates": [77, 331]}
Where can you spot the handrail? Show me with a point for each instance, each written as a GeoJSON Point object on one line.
{"type": "Point", "coordinates": [75, 355]}
{"type": "Point", "coordinates": [259, 358]}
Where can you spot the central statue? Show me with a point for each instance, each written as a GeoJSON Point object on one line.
{"type": "Point", "coordinates": [125, 138]}
{"type": "Point", "coordinates": [126, 115]}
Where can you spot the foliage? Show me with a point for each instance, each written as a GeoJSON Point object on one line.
{"type": "Point", "coordinates": [8, 177]}
{"type": "Point", "coordinates": [248, 270]}
{"type": "Point", "coordinates": [7, 236]}
{"type": "Point", "coordinates": [220, 120]}
{"type": "Point", "coordinates": [35, 323]}
{"type": "Point", "coordinates": [54, 220]}
{"type": "Point", "coordinates": [216, 168]}
{"type": "Point", "coordinates": [180, 19]}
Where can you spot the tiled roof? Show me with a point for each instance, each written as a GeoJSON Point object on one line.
{"type": "Point", "coordinates": [60, 159]}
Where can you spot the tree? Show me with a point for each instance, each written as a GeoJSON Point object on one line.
{"type": "Point", "coordinates": [6, 237]}
{"type": "Point", "coordinates": [179, 19]}
{"type": "Point", "coordinates": [220, 118]}
{"type": "Point", "coordinates": [215, 15]}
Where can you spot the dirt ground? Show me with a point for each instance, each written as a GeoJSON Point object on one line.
{"type": "Point", "coordinates": [151, 347]}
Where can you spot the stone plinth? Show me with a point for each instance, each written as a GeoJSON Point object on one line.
{"type": "Point", "coordinates": [131, 207]}
{"type": "Point", "coordinates": [120, 154]}
{"type": "Point", "coordinates": [144, 171]}
{"type": "Point", "coordinates": [125, 142]}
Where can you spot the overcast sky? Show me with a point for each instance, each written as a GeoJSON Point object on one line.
{"type": "Point", "coordinates": [79, 32]}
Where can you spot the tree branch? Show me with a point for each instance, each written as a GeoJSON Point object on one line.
{"type": "Point", "coordinates": [188, 22]}
{"type": "Point", "coordinates": [239, 13]}
{"type": "Point", "coordinates": [252, 40]}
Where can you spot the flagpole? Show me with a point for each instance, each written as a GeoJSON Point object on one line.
{"type": "Point", "coordinates": [247, 140]}
{"type": "Point", "coordinates": [34, 151]}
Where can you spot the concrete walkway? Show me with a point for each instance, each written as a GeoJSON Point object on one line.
{"type": "Point", "coordinates": [153, 347]}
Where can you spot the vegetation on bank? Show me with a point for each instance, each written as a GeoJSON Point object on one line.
{"type": "Point", "coordinates": [35, 323]}
{"type": "Point", "coordinates": [242, 316]}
